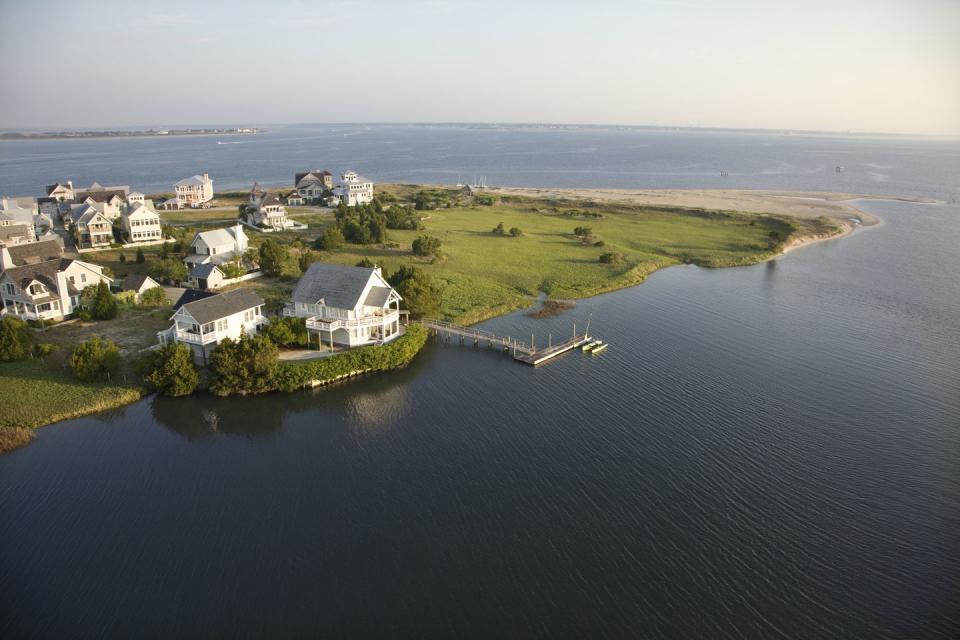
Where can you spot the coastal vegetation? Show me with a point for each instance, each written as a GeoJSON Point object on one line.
{"type": "Point", "coordinates": [170, 370]}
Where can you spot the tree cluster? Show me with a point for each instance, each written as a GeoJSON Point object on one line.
{"type": "Point", "coordinates": [95, 359]}
{"type": "Point", "coordinates": [246, 365]}
{"type": "Point", "coordinates": [171, 371]}
{"type": "Point", "coordinates": [426, 246]}
{"type": "Point", "coordinates": [14, 339]}
{"type": "Point", "coordinates": [421, 296]}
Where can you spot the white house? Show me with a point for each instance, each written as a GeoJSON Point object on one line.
{"type": "Point", "coordinates": [47, 290]}
{"type": "Point", "coordinates": [351, 306]}
{"type": "Point", "coordinates": [111, 201]}
{"type": "Point", "coordinates": [294, 199]}
{"type": "Point", "coordinates": [354, 189]}
{"type": "Point", "coordinates": [138, 283]}
{"type": "Point", "coordinates": [60, 191]}
{"type": "Point", "coordinates": [134, 198]}
{"type": "Point", "coordinates": [203, 324]}
{"type": "Point", "coordinates": [206, 276]}
{"type": "Point", "coordinates": [218, 246]}
{"type": "Point", "coordinates": [140, 223]}
{"type": "Point", "coordinates": [194, 191]}
{"type": "Point", "coordinates": [266, 210]}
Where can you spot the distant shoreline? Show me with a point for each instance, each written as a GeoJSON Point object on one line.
{"type": "Point", "coordinates": [142, 133]}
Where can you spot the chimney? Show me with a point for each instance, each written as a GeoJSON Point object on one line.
{"type": "Point", "coordinates": [206, 176]}
{"type": "Point", "coordinates": [6, 262]}
{"type": "Point", "coordinates": [70, 184]}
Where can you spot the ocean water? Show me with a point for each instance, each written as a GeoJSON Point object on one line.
{"type": "Point", "coordinates": [767, 451]}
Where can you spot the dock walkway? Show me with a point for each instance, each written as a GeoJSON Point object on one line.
{"type": "Point", "coordinates": [521, 351]}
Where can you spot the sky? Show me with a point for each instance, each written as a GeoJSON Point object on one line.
{"type": "Point", "coordinates": [842, 65]}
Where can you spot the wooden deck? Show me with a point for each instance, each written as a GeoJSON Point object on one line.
{"type": "Point", "coordinates": [521, 351]}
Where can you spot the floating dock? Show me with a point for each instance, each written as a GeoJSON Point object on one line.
{"type": "Point", "coordinates": [539, 357]}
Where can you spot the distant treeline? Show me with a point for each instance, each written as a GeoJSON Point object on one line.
{"type": "Point", "coordinates": [19, 135]}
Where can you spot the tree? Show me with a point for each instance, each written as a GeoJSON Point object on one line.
{"type": "Point", "coordinates": [272, 257]}
{"type": "Point", "coordinates": [426, 246]}
{"type": "Point", "coordinates": [95, 359]}
{"type": "Point", "coordinates": [246, 365]}
{"type": "Point", "coordinates": [377, 230]}
{"type": "Point", "coordinates": [14, 339]}
{"type": "Point", "coordinates": [288, 332]}
{"type": "Point", "coordinates": [499, 230]}
{"type": "Point", "coordinates": [611, 258]}
{"type": "Point", "coordinates": [171, 370]}
{"type": "Point", "coordinates": [140, 257]}
{"type": "Point", "coordinates": [582, 231]}
{"type": "Point", "coordinates": [356, 233]}
{"type": "Point", "coordinates": [331, 240]}
{"type": "Point", "coordinates": [232, 270]}
{"type": "Point", "coordinates": [516, 232]}
{"type": "Point", "coordinates": [168, 270]}
{"type": "Point", "coordinates": [122, 258]}
{"type": "Point", "coordinates": [420, 295]}
{"type": "Point", "coordinates": [154, 297]}
{"type": "Point", "coordinates": [104, 304]}
{"type": "Point", "coordinates": [306, 259]}
{"type": "Point", "coordinates": [422, 201]}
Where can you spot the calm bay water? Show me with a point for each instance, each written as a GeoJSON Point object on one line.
{"type": "Point", "coordinates": [769, 451]}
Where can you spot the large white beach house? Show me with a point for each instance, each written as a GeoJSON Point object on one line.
{"type": "Point", "coordinates": [348, 306]}
{"type": "Point", "coordinates": [203, 324]}
{"type": "Point", "coordinates": [354, 189]}
{"type": "Point", "coordinates": [193, 191]}
{"type": "Point", "coordinates": [217, 246]}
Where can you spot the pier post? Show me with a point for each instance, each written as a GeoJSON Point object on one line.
{"type": "Point", "coordinates": [549, 340]}
{"type": "Point", "coordinates": [533, 343]}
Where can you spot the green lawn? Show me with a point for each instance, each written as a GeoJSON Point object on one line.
{"type": "Point", "coordinates": [484, 274]}
{"type": "Point", "coordinates": [35, 395]}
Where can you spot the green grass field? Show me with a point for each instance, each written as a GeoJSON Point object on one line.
{"type": "Point", "coordinates": [485, 274]}
{"type": "Point", "coordinates": [35, 395]}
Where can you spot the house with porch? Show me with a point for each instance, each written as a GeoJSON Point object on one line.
{"type": "Point", "coordinates": [354, 189]}
{"type": "Point", "coordinates": [312, 184]}
{"type": "Point", "coordinates": [140, 223]}
{"type": "Point", "coordinates": [47, 290]}
{"type": "Point", "coordinates": [90, 227]}
{"type": "Point", "coordinates": [194, 191]}
{"type": "Point", "coordinates": [347, 306]}
{"type": "Point", "coordinates": [203, 324]}
{"type": "Point", "coordinates": [217, 246]}
{"type": "Point", "coordinates": [264, 209]}
{"type": "Point", "coordinates": [60, 191]}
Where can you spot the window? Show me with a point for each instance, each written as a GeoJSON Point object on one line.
{"type": "Point", "coordinates": [83, 277]}
{"type": "Point", "coordinates": [222, 325]}
{"type": "Point", "coordinates": [11, 289]}
{"type": "Point", "coordinates": [36, 289]}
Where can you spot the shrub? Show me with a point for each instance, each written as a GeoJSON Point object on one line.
{"type": "Point", "coordinates": [288, 332]}
{"type": "Point", "coordinates": [367, 263]}
{"type": "Point", "coordinates": [122, 258]}
{"type": "Point", "coordinates": [499, 230]}
{"type": "Point", "coordinates": [95, 359]}
{"type": "Point", "coordinates": [611, 258]}
{"type": "Point", "coordinates": [154, 297]}
{"type": "Point", "coordinates": [140, 257]}
{"type": "Point", "coordinates": [168, 270]}
{"type": "Point", "coordinates": [272, 257]}
{"type": "Point", "coordinates": [599, 243]}
{"type": "Point", "coordinates": [516, 232]}
{"type": "Point", "coordinates": [171, 370]}
{"type": "Point", "coordinates": [43, 349]}
{"type": "Point", "coordinates": [306, 259]}
{"type": "Point", "coordinates": [582, 231]}
{"type": "Point", "coordinates": [426, 246]}
{"type": "Point", "coordinates": [247, 365]}
{"type": "Point", "coordinates": [14, 339]}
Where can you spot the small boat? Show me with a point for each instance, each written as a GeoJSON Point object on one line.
{"type": "Point", "coordinates": [600, 347]}
{"type": "Point", "coordinates": [590, 345]}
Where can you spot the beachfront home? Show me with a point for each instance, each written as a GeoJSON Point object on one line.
{"type": "Point", "coordinates": [60, 191]}
{"type": "Point", "coordinates": [349, 306]}
{"type": "Point", "coordinates": [203, 324]}
{"type": "Point", "coordinates": [140, 223]}
{"type": "Point", "coordinates": [266, 210]}
{"type": "Point", "coordinates": [313, 184]}
{"type": "Point", "coordinates": [138, 283]}
{"type": "Point", "coordinates": [217, 246]}
{"type": "Point", "coordinates": [194, 191]}
{"type": "Point", "coordinates": [111, 201]}
{"type": "Point", "coordinates": [47, 290]}
{"type": "Point", "coordinates": [206, 276]}
{"type": "Point", "coordinates": [354, 189]}
{"type": "Point", "coordinates": [90, 227]}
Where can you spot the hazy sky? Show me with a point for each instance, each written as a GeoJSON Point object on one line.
{"type": "Point", "coordinates": [870, 65]}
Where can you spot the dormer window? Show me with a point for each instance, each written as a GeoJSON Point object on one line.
{"type": "Point", "coordinates": [36, 289]}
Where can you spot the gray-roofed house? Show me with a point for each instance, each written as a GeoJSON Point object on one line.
{"type": "Point", "coordinates": [90, 226]}
{"type": "Point", "coordinates": [30, 253]}
{"type": "Point", "coordinates": [194, 191]}
{"type": "Point", "coordinates": [206, 276]}
{"type": "Point", "coordinates": [47, 290]}
{"type": "Point", "coordinates": [266, 210]}
{"type": "Point", "coordinates": [138, 283]}
{"type": "Point", "coordinates": [203, 324]}
{"type": "Point", "coordinates": [349, 306]}
{"type": "Point", "coordinates": [218, 246]}
{"type": "Point", "coordinates": [13, 234]}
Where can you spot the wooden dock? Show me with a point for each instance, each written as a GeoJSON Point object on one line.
{"type": "Point", "coordinates": [521, 351]}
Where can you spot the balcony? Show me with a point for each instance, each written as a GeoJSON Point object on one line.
{"type": "Point", "coordinates": [332, 324]}
{"type": "Point", "coordinates": [184, 335]}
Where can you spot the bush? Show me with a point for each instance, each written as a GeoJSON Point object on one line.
{"type": "Point", "coordinates": [420, 295]}
{"type": "Point", "coordinates": [291, 376]}
{"type": "Point", "coordinates": [288, 332]}
{"type": "Point", "coordinates": [272, 257]}
{"type": "Point", "coordinates": [14, 339]}
{"type": "Point", "coordinates": [611, 258]}
{"type": "Point", "coordinates": [515, 232]}
{"type": "Point", "coordinates": [154, 297]}
{"type": "Point", "coordinates": [168, 270]}
{"type": "Point", "coordinates": [599, 243]}
{"type": "Point", "coordinates": [140, 257]}
{"type": "Point", "coordinates": [122, 258]}
{"type": "Point", "coordinates": [366, 263]}
{"type": "Point", "coordinates": [43, 349]}
{"type": "Point", "coordinates": [426, 246]}
{"type": "Point", "coordinates": [331, 240]}
{"type": "Point", "coordinates": [499, 230]}
{"type": "Point", "coordinates": [95, 359]}
{"type": "Point", "coordinates": [306, 259]}
{"type": "Point", "coordinates": [247, 365]}
{"type": "Point", "coordinates": [171, 370]}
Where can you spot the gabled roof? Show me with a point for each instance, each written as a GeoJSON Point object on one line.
{"type": "Point", "coordinates": [35, 252]}
{"type": "Point", "coordinates": [194, 180]}
{"type": "Point", "coordinates": [222, 305]}
{"type": "Point", "coordinates": [270, 199]}
{"type": "Point", "coordinates": [44, 272]}
{"type": "Point", "coordinates": [140, 207]}
{"type": "Point", "coordinates": [204, 270]}
{"type": "Point", "coordinates": [135, 281]}
{"type": "Point", "coordinates": [337, 285]}
{"type": "Point", "coordinates": [378, 296]}
{"type": "Point", "coordinates": [101, 195]}
{"type": "Point", "coordinates": [218, 237]}
{"type": "Point", "coordinates": [59, 185]}
{"type": "Point", "coordinates": [15, 231]}
{"type": "Point", "coordinates": [191, 295]}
